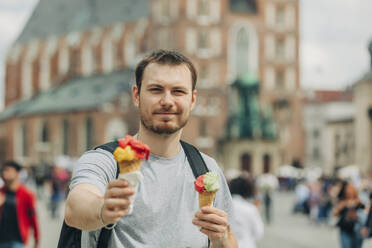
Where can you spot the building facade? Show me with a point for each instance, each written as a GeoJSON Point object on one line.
{"type": "Point", "coordinates": [363, 119]}
{"type": "Point", "coordinates": [96, 40]}
{"type": "Point", "coordinates": [327, 117]}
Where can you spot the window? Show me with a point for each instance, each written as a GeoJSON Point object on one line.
{"type": "Point", "coordinates": [266, 163]}
{"type": "Point", "coordinates": [203, 39]}
{"type": "Point", "coordinates": [24, 141]}
{"type": "Point", "coordinates": [316, 133]}
{"type": "Point", "coordinates": [280, 15]}
{"type": "Point", "coordinates": [89, 127]}
{"type": "Point", "coordinates": [203, 75]}
{"type": "Point", "coordinates": [246, 162]}
{"type": "Point", "coordinates": [65, 138]}
{"type": "Point", "coordinates": [203, 8]}
{"type": "Point", "coordinates": [280, 79]}
{"type": "Point", "coordinates": [44, 132]}
{"type": "Point", "coordinates": [280, 49]}
{"type": "Point", "coordinates": [165, 8]}
{"type": "Point", "coordinates": [316, 153]}
{"type": "Point", "coordinates": [242, 46]}
{"type": "Point", "coordinates": [203, 128]}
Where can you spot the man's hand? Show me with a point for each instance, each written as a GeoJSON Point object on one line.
{"type": "Point", "coordinates": [117, 200]}
{"type": "Point", "coordinates": [213, 223]}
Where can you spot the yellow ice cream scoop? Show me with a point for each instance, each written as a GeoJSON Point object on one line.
{"type": "Point", "coordinates": [126, 154]}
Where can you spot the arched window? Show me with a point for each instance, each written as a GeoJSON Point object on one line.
{"type": "Point", "coordinates": [203, 8]}
{"type": "Point", "coordinates": [266, 163]}
{"type": "Point", "coordinates": [24, 140]}
{"type": "Point", "coordinates": [44, 132]}
{"type": "Point", "coordinates": [241, 55]}
{"type": "Point", "coordinates": [246, 162]}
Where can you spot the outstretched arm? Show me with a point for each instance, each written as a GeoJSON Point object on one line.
{"type": "Point", "coordinates": [87, 209]}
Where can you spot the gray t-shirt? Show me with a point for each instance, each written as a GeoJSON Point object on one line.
{"type": "Point", "coordinates": [164, 206]}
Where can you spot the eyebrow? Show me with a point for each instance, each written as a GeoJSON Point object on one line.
{"type": "Point", "coordinates": [161, 86]}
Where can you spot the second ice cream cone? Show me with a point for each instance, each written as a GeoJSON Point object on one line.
{"type": "Point", "coordinates": [206, 198]}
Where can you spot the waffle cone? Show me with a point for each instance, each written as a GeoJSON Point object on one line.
{"type": "Point", "coordinates": [206, 198]}
{"type": "Point", "coordinates": [130, 166]}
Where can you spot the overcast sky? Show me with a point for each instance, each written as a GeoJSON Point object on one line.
{"type": "Point", "coordinates": [334, 36]}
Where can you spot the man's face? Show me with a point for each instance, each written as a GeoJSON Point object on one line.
{"type": "Point", "coordinates": [166, 98]}
{"type": "Point", "coordinates": [9, 174]}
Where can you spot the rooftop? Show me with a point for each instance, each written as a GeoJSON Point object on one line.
{"type": "Point", "coordinates": [83, 93]}
{"type": "Point", "coordinates": [57, 17]}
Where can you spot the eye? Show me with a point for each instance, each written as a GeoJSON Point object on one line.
{"type": "Point", "coordinates": [155, 89]}
{"type": "Point", "coordinates": [179, 92]}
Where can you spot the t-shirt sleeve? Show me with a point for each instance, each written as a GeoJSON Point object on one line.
{"type": "Point", "coordinates": [96, 167]}
{"type": "Point", "coordinates": [223, 198]}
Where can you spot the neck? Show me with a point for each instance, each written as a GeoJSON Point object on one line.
{"type": "Point", "coordinates": [13, 186]}
{"type": "Point", "coordinates": [160, 144]}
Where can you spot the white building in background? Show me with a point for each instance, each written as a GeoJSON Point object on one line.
{"type": "Point", "coordinates": [326, 115]}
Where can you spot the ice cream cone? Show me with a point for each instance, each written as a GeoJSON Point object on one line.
{"type": "Point", "coordinates": [130, 166]}
{"type": "Point", "coordinates": [206, 198]}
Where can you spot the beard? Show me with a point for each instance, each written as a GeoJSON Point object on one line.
{"type": "Point", "coordinates": [164, 128]}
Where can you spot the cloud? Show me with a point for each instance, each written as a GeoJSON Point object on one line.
{"type": "Point", "coordinates": [334, 37]}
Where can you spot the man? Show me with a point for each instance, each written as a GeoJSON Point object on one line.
{"type": "Point", "coordinates": [17, 209]}
{"type": "Point", "coordinates": [166, 205]}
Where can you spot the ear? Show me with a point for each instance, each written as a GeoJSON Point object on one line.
{"type": "Point", "coordinates": [135, 95]}
{"type": "Point", "coordinates": [193, 99]}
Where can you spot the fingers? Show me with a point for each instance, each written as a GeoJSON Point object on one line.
{"type": "Point", "coordinates": [212, 210]}
{"type": "Point", "coordinates": [212, 222]}
{"type": "Point", "coordinates": [208, 226]}
{"type": "Point", "coordinates": [117, 204]}
{"type": "Point", "coordinates": [117, 200]}
{"type": "Point", "coordinates": [119, 192]}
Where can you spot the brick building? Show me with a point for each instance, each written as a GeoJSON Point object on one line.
{"type": "Point", "coordinates": [67, 84]}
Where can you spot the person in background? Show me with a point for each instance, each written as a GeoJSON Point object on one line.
{"type": "Point", "coordinates": [248, 225]}
{"type": "Point", "coordinates": [17, 209]}
{"type": "Point", "coordinates": [367, 228]}
{"type": "Point", "coordinates": [348, 210]}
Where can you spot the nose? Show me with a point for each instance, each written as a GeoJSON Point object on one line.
{"type": "Point", "coordinates": [166, 99]}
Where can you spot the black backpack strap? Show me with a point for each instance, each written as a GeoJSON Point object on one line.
{"type": "Point", "coordinates": [195, 159]}
{"type": "Point", "coordinates": [105, 234]}
{"type": "Point", "coordinates": [196, 162]}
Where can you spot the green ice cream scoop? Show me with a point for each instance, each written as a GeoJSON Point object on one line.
{"type": "Point", "coordinates": [211, 181]}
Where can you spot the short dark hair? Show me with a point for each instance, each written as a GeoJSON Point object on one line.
{"type": "Point", "coordinates": [242, 186]}
{"type": "Point", "coordinates": [164, 57]}
{"type": "Point", "coordinates": [13, 164]}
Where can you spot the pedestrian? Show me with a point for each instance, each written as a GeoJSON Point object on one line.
{"type": "Point", "coordinates": [17, 209]}
{"type": "Point", "coordinates": [165, 210]}
{"type": "Point", "coordinates": [267, 183]}
{"type": "Point", "coordinates": [367, 228]}
{"type": "Point", "coordinates": [248, 225]}
{"type": "Point", "coordinates": [349, 211]}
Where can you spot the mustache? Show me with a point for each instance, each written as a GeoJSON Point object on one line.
{"type": "Point", "coordinates": [166, 112]}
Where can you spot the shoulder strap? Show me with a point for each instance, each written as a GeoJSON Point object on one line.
{"type": "Point", "coordinates": [196, 162]}
{"type": "Point", "coordinates": [195, 159]}
{"type": "Point", "coordinates": [105, 234]}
